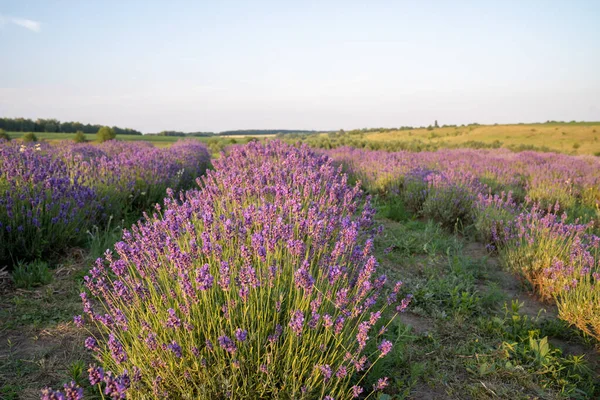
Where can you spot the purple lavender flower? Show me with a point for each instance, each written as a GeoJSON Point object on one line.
{"type": "Point", "coordinates": [204, 278]}
{"type": "Point", "coordinates": [73, 391]}
{"type": "Point", "coordinates": [114, 387]}
{"type": "Point", "coordinates": [95, 375]}
{"type": "Point", "coordinates": [296, 322]}
{"type": "Point", "coordinates": [356, 391]}
{"type": "Point", "coordinates": [224, 276]}
{"type": "Point", "coordinates": [78, 320]}
{"type": "Point", "coordinates": [325, 371]}
{"type": "Point", "coordinates": [172, 320]}
{"type": "Point", "coordinates": [385, 347]}
{"type": "Point", "coordinates": [91, 344]}
{"type": "Point", "coordinates": [175, 348]}
{"type": "Point", "coordinates": [381, 384]}
{"type": "Point", "coordinates": [327, 321]}
{"type": "Point", "coordinates": [241, 334]}
{"type": "Point", "coordinates": [404, 303]}
{"type": "Point", "coordinates": [227, 344]}
{"type": "Point", "coordinates": [339, 325]}
{"type": "Point", "coordinates": [362, 335]}
{"type": "Point", "coordinates": [116, 349]}
{"type": "Point", "coordinates": [151, 341]}
{"type": "Point", "coordinates": [49, 394]}
{"type": "Point", "coordinates": [304, 280]}
{"type": "Point", "coordinates": [342, 372]}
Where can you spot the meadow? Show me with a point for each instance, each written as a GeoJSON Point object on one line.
{"type": "Point", "coordinates": [217, 142]}
{"type": "Point", "coordinates": [575, 138]}
{"type": "Point", "coordinates": [283, 271]}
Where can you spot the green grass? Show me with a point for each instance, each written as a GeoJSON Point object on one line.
{"type": "Point", "coordinates": [158, 141]}
{"type": "Point", "coordinates": [39, 344]}
{"type": "Point", "coordinates": [30, 275]}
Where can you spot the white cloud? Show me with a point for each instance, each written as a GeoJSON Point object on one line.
{"type": "Point", "coordinates": [22, 22]}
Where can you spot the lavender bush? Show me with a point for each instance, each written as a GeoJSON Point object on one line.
{"type": "Point", "coordinates": [493, 215]}
{"type": "Point", "coordinates": [259, 284]}
{"type": "Point", "coordinates": [561, 261]}
{"type": "Point", "coordinates": [415, 189]}
{"type": "Point", "coordinates": [50, 196]}
{"type": "Point", "coordinates": [41, 208]}
{"type": "Point", "coordinates": [132, 176]}
{"type": "Point", "coordinates": [450, 197]}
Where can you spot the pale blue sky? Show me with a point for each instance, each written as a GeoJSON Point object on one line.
{"type": "Point", "coordinates": [211, 66]}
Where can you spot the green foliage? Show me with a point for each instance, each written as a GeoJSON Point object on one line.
{"type": "Point", "coordinates": [449, 291]}
{"type": "Point", "coordinates": [105, 133]}
{"type": "Point", "coordinates": [77, 372]}
{"type": "Point", "coordinates": [104, 238]}
{"type": "Point", "coordinates": [4, 135]}
{"type": "Point", "coordinates": [525, 352]}
{"type": "Point", "coordinates": [79, 137]}
{"type": "Point", "coordinates": [29, 137]}
{"type": "Point", "coordinates": [29, 275]}
{"type": "Point", "coordinates": [395, 210]}
{"type": "Point", "coordinates": [53, 125]}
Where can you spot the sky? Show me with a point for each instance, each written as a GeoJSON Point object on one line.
{"type": "Point", "coordinates": [323, 65]}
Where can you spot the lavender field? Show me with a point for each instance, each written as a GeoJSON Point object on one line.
{"type": "Point", "coordinates": [281, 271]}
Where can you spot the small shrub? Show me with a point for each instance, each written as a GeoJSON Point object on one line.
{"type": "Point", "coordinates": [415, 189]}
{"type": "Point", "coordinates": [105, 133]}
{"type": "Point", "coordinates": [4, 135]}
{"type": "Point", "coordinates": [29, 275]}
{"type": "Point", "coordinates": [29, 137]}
{"type": "Point", "coordinates": [492, 215]}
{"type": "Point", "coordinates": [576, 145]}
{"type": "Point", "coordinates": [450, 197]}
{"type": "Point", "coordinates": [79, 137]}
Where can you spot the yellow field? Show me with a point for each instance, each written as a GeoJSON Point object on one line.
{"type": "Point", "coordinates": [564, 137]}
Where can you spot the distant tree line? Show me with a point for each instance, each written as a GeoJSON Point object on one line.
{"type": "Point", "coordinates": [241, 132]}
{"type": "Point", "coordinates": [55, 126]}
{"type": "Point", "coordinates": [178, 133]}
{"type": "Point", "coordinates": [256, 132]}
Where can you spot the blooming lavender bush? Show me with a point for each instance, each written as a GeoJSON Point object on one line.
{"type": "Point", "coordinates": [493, 215]}
{"type": "Point", "coordinates": [450, 197]}
{"type": "Point", "coordinates": [41, 208]}
{"type": "Point", "coordinates": [260, 284]}
{"type": "Point", "coordinates": [537, 239]}
{"type": "Point", "coordinates": [415, 189]}
{"type": "Point", "coordinates": [132, 176]}
{"type": "Point", "coordinates": [561, 261]}
{"type": "Point", "coordinates": [49, 196]}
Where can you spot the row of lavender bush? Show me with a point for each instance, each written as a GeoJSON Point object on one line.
{"type": "Point", "coordinates": [524, 205]}
{"type": "Point", "coordinates": [51, 195]}
{"type": "Point", "coordinates": [259, 284]}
